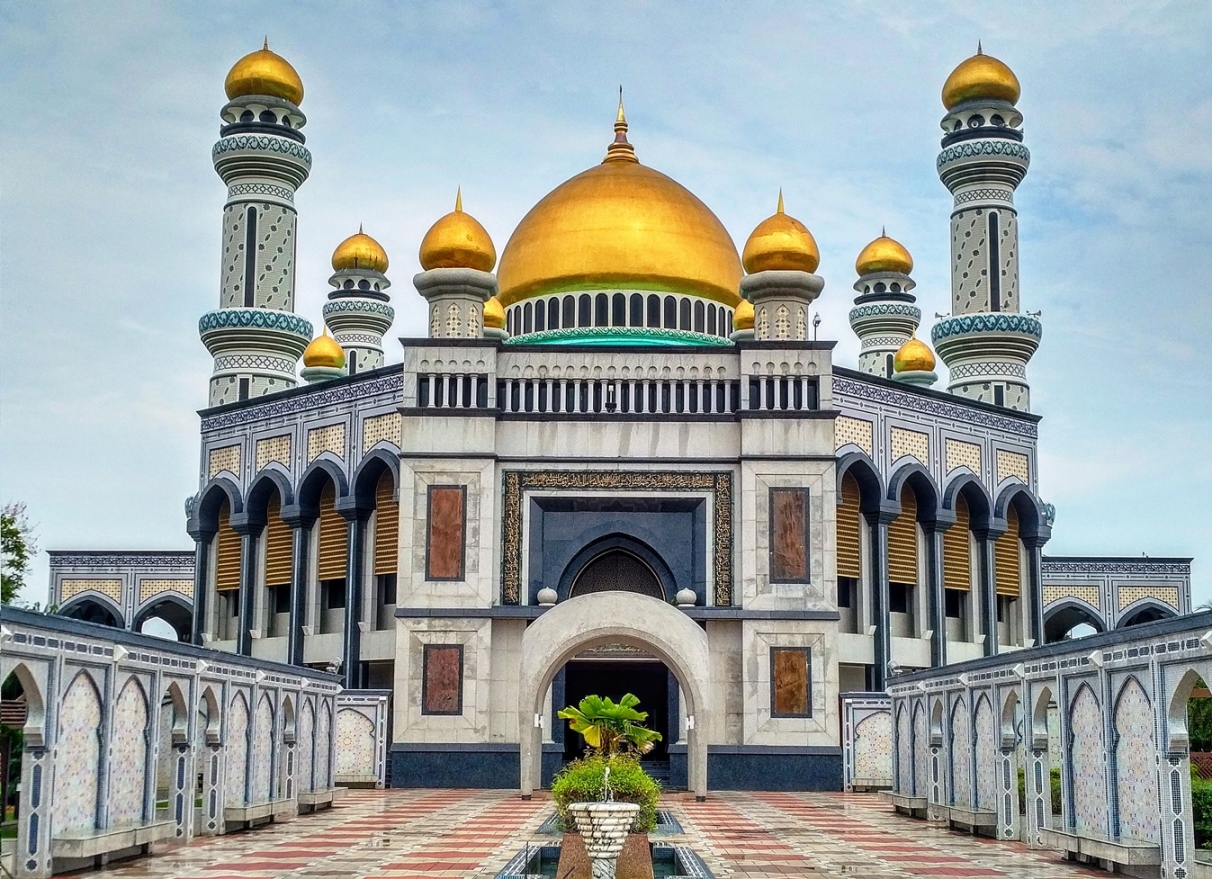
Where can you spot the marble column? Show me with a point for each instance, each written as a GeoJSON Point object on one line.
{"type": "Point", "coordinates": [351, 659]}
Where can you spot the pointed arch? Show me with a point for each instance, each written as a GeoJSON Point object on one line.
{"type": "Point", "coordinates": [204, 520]}
{"type": "Point", "coordinates": [179, 730]}
{"type": "Point", "coordinates": [1087, 763]}
{"type": "Point", "coordinates": [867, 475]}
{"type": "Point", "coordinates": [370, 472]}
{"type": "Point", "coordinates": [173, 609]}
{"type": "Point", "coordinates": [235, 758]}
{"type": "Point", "coordinates": [93, 607]}
{"type": "Point", "coordinates": [925, 490]}
{"type": "Point", "coordinates": [34, 730]}
{"type": "Point", "coordinates": [212, 731]}
{"type": "Point", "coordinates": [980, 505]}
{"type": "Point", "coordinates": [77, 757]}
{"type": "Point", "coordinates": [1135, 770]}
{"type": "Point", "coordinates": [307, 746]}
{"type": "Point", "coordinates": [129, 756]}
{"type": "Point", "coordinates": [272, 479]}
{"type": "Point", "coordinates": [262, 757]}
{"type": "Point", "coordinates": [1030, 511]}
{"type": "Point", "coordinates": [322, 472]}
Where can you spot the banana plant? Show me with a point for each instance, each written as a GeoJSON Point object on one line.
{"type": "Point", "coordinates": [611, 728]}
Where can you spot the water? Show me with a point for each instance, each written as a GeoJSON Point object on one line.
{"type": "Point", "coordinates": [667, 861]}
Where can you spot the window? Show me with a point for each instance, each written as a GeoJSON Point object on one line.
{"type": "Point", "coordinates": [250, 247]}
{"type": "Point", "coordinates": [601, 310]}
{"type": "Point", "coordinates": [790, 682]}
{"type": "Point", "coordinates": [1005, 605]}
{"type": "Point", "coordinates": [569, 318]}
{"type": "Point", "coordinates": [242, 392]}
{"type": "Point", "coordinates": [527, 318]}
{"type": "Point", "coordinates": [553, 313]}
{"type": "Point", "coordinates": [898, 597]}
{"type": "Point", "coordinates": [671, 313]}
{"type": "Point", "coordinates": [334, 594]}
{"type": "Point", "coordinates": [584, 310]}
{"type": "Point", "coordinates": [654, 311]}
{"type": "Point", "coordinates": [953, 601]}
{"type": "Point", "coordinates": [789, 535]}
{"type": "Point", "coordinates": [684, 314]}
{"type": "Point", "coordinates": [845, 591]}
{"type": "Point", "coordinates": [442, 679]}
{"type": "Point", "coordinates": [699, 317]}
{"type": "Point", "coordinates": [637, 310]}
{"type": "Point", "coordinates": [888, 366]}
{"type": "Point", "coordinates": [353, 362]}
{"type": "Point", "coordinates": [618, 310]}
{"type": "Point", "coordinates": [995, 272]}
{"type": "Point", "coordinates": [540, 317]}
{"type": "Point", "coordinates": [387, 588]}
{"type": "Point", "coordinates": [711, 320]}
{"type": "Point", "coordinates": [280, 598]}
{"type": "Point", "coordinates": [999, 395]}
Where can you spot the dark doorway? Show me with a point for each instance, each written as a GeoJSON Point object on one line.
{"type": "Point", "coordinates": [647, 679]}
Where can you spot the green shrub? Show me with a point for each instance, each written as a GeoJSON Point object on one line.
{"type": "Point", "coordinates": [1055, 780]}
{"type": "Point", "coordinates": [1201, 810]}
{"type": "Point", "coordinates": [582, 781]}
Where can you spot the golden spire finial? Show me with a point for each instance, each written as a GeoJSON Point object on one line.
{"type": "Point", "coordinates": [620, 150]}
{"type": "Point", "coordinates": [360, 232]}
{"type": "Point", "coordinates": [780, 210]}
{"type": "Point", "coordinates": [265, 44]}
{"type": "Point", "coordinates": [883, 231]}
{"type": "Point", "coordinates": [459, 200]}
{"type": "Point", "coordinates": [979, 51]}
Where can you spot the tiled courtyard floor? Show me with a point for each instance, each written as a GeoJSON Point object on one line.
{"type": "Point", "coordinates": [405, 834]}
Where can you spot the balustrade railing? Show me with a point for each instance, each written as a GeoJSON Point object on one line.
{"type": "Point", "coordinates": [452, 391]}
{"type": "Point", "coordinates": [617, 396]}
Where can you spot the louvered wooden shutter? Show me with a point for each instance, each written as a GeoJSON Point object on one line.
{"type": "Point", "coordinates": [849, 530]}
{"type": "Point", "coordinates": [957, 559]}
{"type": "Point", "coordinates": [334, 537]}
{"type": "Point", "coordinates": [278, 544]}
{"type": "Point", "coordinates": [227, 554]}
{"type": "Point", "coordinates": [1006, 557]}
{"type": "Point", "coordinates": [902, 541]}
{"type": "Point", "coordinates": [387, 526]}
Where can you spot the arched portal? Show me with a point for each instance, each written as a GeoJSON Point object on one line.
{"type": "Point", "coordinates": [617, 571]}
{"type": "Point", "coordinates": [623, 618]}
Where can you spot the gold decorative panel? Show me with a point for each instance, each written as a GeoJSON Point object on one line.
{"type": "Point", "coordinates": [150, 588]}
{"type": "Point", "coordinates": [1166, 594]}
{"type": "Point", "coordinates": [1088, 594]}
{"type": "Point", "coordinates": [225, 458]}
{"type": "Point", "coordinates": [911, 443]}
{"type": "Point", "coordinates": [69, 588]}
{"type": "Point", "coordinates": [962, 454]}
{"type": "Point", "coordinates": [326, 439]}
{"type": "Point", "coordinates": [274, 448]}
{"type": "Point", "coordinates": [1012, 464]}
{"type": "Point", "coordinates": [854, 430]}
{"type": "Point", "coordinates": [381, 427]}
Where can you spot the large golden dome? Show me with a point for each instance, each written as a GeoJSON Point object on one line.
{"type": "Point", "coordinates": [264, 73]}
{"type": "Point", "coordinates": [457, 241]}
{"type": "Point", "coordinates": [620, 225]}
{"type": "Point", "coordinates": [359, 251]}
{"type": "Point", "coordinates": [884, 254]}
{"type": "Point", "coordinates": [981, 76]}
{"type": "Point", "coordinates": [781, 243]}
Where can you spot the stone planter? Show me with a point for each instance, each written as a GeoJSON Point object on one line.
{"type": "Point", "coordinates": [604, 828]}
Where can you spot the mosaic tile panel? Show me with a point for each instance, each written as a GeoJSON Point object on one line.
{"type": "Point", "coordinates": [128, 757]}
{"type": "Point", "coordinates": [1088, 594]}
{"type": "Point", "coordinates": [873, 746]}
{"type": "Point", "coordinates": [74, 586]}
{"type": "Point", "coordinates": [858, 431]}
{"type": "Point", "coordinates": [323, 779]}
{"type": "Point", "coordinates": [236, 745]}
{"type": "Point", "coordinates": [381, 428]}
{"type": "Point", "coordinates": [1089, 760]}
{"type": "Point", "coordinates": [961, 757]}
{"type": "Point", "coordinates": [904, 752]}
{"type": "Point", "coordinates": [1136, 774]}
{"type": "Point", "coordinates": [961, 454]}
{"type": "Point", "coordinates": [921, 748]}
{"type": "Point", "coordinates": [1012, 464]}
{"type": "Point", "coordinates": [149, 588]}
{"type": "Point", "coordinates": [262, 751]}
{"type": "Point", "coordinates": [326, 439]}
{"type": "Point", "coordinates": [355, 751]}
{"type": "Point", "coordinates": [986, 748]}
{"type": "Point", "coordinates": [307, 743]}
{"type": "Point", "coordinates": [1165, 594]}
{"type": "Point", "coordinates": [912, 443]}
{"type": "Point", "coordinates": [274, 448]}
{"type": "Point", "coordinates": [225, 458]}
{"type": "Point", "coordinates": [77, 758]}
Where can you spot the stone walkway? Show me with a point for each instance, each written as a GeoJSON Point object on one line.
{"type": "Point", "coordinates": [467, 833]}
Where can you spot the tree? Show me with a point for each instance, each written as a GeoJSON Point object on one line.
{"type": "Point", "coordinates": [609, 728]}
{"type": "Point", "coordinates": [17, 549]}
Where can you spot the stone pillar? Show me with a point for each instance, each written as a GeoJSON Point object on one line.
{"type": "Point", "coordinates": [988, 591]}
{"type": "Point", "coordinates": [1038, 782]}
{"type": "Point", "coordinates": [1035, 589]}
{"type": "Point", "coordinates": [32, 857]}
{"type": "Point", "coordinates": [879, 601]}
{"type": "Point", "coordinates": [936, 603]}
{"type": "Point", "coordinates": [1007, 791]}
{"type": "Point", "coordinates": [456, 300]}
{"type": "Point", "coordinates": [202, 541]}
{"type": "Point", "coordinates": [780, 303]}
{"type": "Point", "coordinates": [300, 568]}
{"type": "Point", "coordinates": [1177, 822]}
{"type": "Point", "coordinates": [351, 659]}
{"type": "Point", "coordinates": [248, 585]}
{"type": "Point", "coordinates": [182, 801]}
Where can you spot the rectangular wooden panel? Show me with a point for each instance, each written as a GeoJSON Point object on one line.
{"type": "Point", "coordinates": [227, 554]}
{"type": "Point", "coordinates": [333, 552]}
{"type": "Point", "coordinates": [387, 526]}
{"type": "Point", "coordinates": [957, 557]}
{"type": "Point", "coordinates": [446, 532]}
{"type": "Point", "coordinates": [902, 541]}
{"type": "Point", "coordinates": [442, 679]}
{"type": "Point", "coordinates": [279, 546]}
{"type": "Point", "coordinates": [1006, 566]}
{"type": "Point", "coordinates": [790, 682]}
{"type": "Point", "coordinates": [849, 530]}
{"type": "Point", "coordinates": [789, 535]}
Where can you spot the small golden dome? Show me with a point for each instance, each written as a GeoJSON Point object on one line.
{"type": "Point", "coordinates": [884, 254]}
{"type": "Point", "coordinates": [359, 251]}
{"type": "Point", "coordinates": [324, 351]}
{"type": "Point", "coordinates": [913, 356]}
{"type": "Point", "coordinates": [494, 314]}
{"type": "Point", "coordinates": [264, 73]}
{"type": "Point", "coordinates": [742, 316]}
{"type": "Point", "coordinates": [981, 76]}
{"type": "Point", "coordinates": [781, 243]}
{"type": "Point", "coordinates": [458, 241]}
{"type": "Point", "coordinates": [624, 226]}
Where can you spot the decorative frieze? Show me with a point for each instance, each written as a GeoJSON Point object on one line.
{"type": "Point", "coordinates": [380, 428]}
{"type": "Point", "coordinates": [1088, 594]}
{"type": "Point", "coordinates": [274, 448]}
{"type": "Point", "coordinates": [911, 443]}
{"type": "Point", "coordinates": [225, 458]}
{"type": "Point", "coordinates": [1012, 464]}
{"type": "Point", "coordinates": [961, 454]}
{"type": "Point", "coordinates": [1131, 594]}
{"type": "Point", "coordinates": [858, 431]}
{"type": "Point", "coordinates": [69, 588]}
{"type": "Point", "coordinates": [150, 588]}
{"type": "Point", "coordinates": [326, 439]}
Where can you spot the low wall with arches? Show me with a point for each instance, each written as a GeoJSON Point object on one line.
{"type": "Point", "coordinates": [1117, 702]}
{"type": "Point", "coordinates": [131, 740]}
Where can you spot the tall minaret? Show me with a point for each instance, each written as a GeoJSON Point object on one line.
{"type": "Point", "coordinates": [357, 311]}
{"type": "Point", "coordinates": [884, 317]}
{"type": "Point", "coordinates": [986, 342]}
{"type": "Point", "coordinates": [255, 336]}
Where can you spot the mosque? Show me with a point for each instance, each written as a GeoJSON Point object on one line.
{"type": "Point", "coordinates": [619, 461]}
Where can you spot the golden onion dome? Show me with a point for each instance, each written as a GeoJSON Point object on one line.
{"type": "Point", "coordinates": [324, 351]}
{"type": "Point", "coordinates": [458, 241]}
{"type": "Point", "coordinates": [884, 254]}
{"type": "Point", "coordinates": [264, 73]}
{"type": "Point", "coordinates": [620, 225]}
{"type": "Point", "coordinates": [981, 76]}
{"type": "Point", "coordinates": [742, 316]}
{"type": "Point", "coordinates": [781, 243]}
{"type": "Point", "coordinates": [494, 314]}
{"type": "Point", "coordinates": [359, 251]}
{"type": "Point", "coordinates": [913, 356]}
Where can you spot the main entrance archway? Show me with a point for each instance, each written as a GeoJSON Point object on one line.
{"type": "Point", "coordinates": [611, 617]}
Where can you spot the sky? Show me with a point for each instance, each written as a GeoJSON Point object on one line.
{"type": "Point", "coordinates": [110, 210]}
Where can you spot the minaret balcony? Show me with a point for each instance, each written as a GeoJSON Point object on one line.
{"type": "Point", "coordinates": [261, 329]}
{"type": "Point", "coordinates": [990, 334]}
